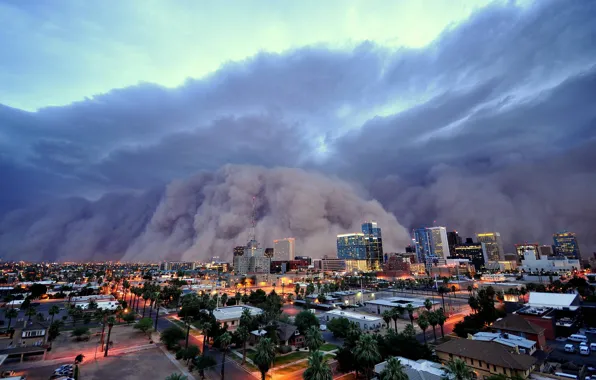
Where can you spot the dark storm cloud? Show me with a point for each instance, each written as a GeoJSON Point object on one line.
{"type": "Point", "coordinates": [488, 128]}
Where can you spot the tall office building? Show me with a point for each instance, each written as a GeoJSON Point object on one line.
{"type": "Point", "coordinates": [521, 248]}
{"type": "Point", "coordinates": [493, 245]}
{"type": "Point", "coordinates": [366, 245]}
{"type": "Point", "coordinates": [474, 252]}
{"type": "Point", "coordinates": [284, 249]}
{"type": "Point", "coordinates": [454, 240]}
{"type": "Point", "coordinates": [351, 246]}
{"type": "Point", "coordinates": [566, 245]}
{"type": "Point", "coordinates": [374, 244]}
{"type": "Point", "coordinates": [431, 244]}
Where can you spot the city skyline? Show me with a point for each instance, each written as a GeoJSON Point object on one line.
{"type": "Point", "coordinates": [147, 129]}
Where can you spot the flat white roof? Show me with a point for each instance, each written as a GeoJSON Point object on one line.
{"type": "Point", "coordinates": [352, 315]}
{"type": "Point", "coordinates": [234, 312]}
{"type": "Point", "coordinates": [419, 365]}
{"type": "Point", "coordinates": [554, 300]}
{"type": "Point", "coordinates": [397, 301]}
{"type": "Point", "coordinates": [505, 339]}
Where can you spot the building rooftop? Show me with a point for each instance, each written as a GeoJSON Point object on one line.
{"type": "Point", "coordinates": [488, 352]}
{"type": "Point", "coordinates": [506, 339]}
{"type": "Point", "coordinates": [234, 312]}
{"type": "Point", "coordinates": [554, 300]}
{"type": "Point", "coordinates": [413, 369]}
{"type": "Point", "coordinates": [352, 315]}
{"type": "Point", "coordinates": [514, 322]}
{"type": "Point", "coordinates": [400, 301]}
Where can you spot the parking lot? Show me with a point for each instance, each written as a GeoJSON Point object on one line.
{"type": "Point", "coordinates": [559, 353]}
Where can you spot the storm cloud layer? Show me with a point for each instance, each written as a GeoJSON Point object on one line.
{"type": "Point", "coordinates": [490, 127]}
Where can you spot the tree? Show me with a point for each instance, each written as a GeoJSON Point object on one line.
{"type": "Point", "coordinates": [441, 318]}
{"type": "Point", "coordinates": [243, 334]}
{"type": "Point", "coordinates": [442, 290]}
{"type": "Point", "coordinates": [395, 316]}
{"type": "Point", "coordinates": [80, 332]}
{"type": "Point", "coordinates": [202, 362]}
{"type": "Point", "coordinates": [423, 324]}
{"type": "Point", "coordinates": [37, 290]}
{"type": "Point", "coordinates": [78, 360]}
{"type": "Point", "coordinates": [318, 369]}
{"type": "Point", "coordinates": [386, 317]}
{"type": "Point", "coordinates": [428, 304]}
{"type": "Point", "coordinates": [473, 302]}
{"type": "Point", "coordinates": [314, 339]}
{"type": "Point", "coordinates": [188, 320]}
{"type": "Point", "coordinates": [10, 314]}
{"type": "Point", "coordinates": [171, 336]}
{"type": "Point", "coordinates": [458, 370]}
{"type": "Point", "coordinates": [53, 311]}
{"type": "Point", "coordinates": [30, 313]}
{"type": "Point", "coordinates": [176, 376]}
{"type": "Point", "coordinates": [410, 310]}
{"type": "Point", "coordinates": [144, 325]}
{"type": "Point", "coordinates": [224, 343]}
{"type": "Point", "coordinates": [54, 330]}
{"type": "Point", "coordinates": [393, 371]}
{"type": "Point", "coordinates": [128, 318]}
{"type": "Point", "coordinates": [265, 354]}
{"type": "Point", "coordinates": [304, 320]}
{"type": "Point", "coordinates": [339, 327]}
{"type": "Point", "coordinates": [92, 305]}
{"type": "Point", "coordinates": [367, 354]}
{"type": "Point", "coordinates": [111, 321]}
{"type": "Point", "coordinates": [433, 321]}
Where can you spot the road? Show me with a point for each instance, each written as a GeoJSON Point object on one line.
{"type": "Point", "coordinates": [233, 371]}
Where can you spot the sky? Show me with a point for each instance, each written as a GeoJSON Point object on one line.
{"type": "Point", "coordinates": [478, 115]}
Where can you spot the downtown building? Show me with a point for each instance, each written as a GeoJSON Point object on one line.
{"type": "Point", "coordinates": [431, 244]}
{"type": "Point", "coordinates": [253, 260]}
{"type": "Point", "coordinates": [492, 245]}
{"type": "Point", "coordinates": [566, 245]}
{"type": "Point", "coordinates": [475, 253]}
{"type": "Point", "coordinates": [284, 249]}
{"type": "Point", "coordinates": [365, 246]}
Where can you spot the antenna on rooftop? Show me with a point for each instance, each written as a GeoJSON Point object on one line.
{"type": "Point", "coordinates": [252, 236]}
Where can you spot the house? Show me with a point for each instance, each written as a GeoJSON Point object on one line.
{"type": "Point", "coordinates": [231, 315]}
{"type": "Point", "coordinates": [487, 358]}
{"type": "Point", "coordinates": [33, 335]}
{"type": "Point", "coordinates": [417, 370]}
{"type": "Point", "coordinates": [289, 335]}
{"type": "Point", "coordinates": [518, 325]}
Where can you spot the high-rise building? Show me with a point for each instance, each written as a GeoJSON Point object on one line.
{"type": "Point", "coordinates": [374, 244]}
{"type": "Point", "coordinates": [523, 247]}
{"type": "Point", "coordinates": [351, 246]}
{"type": "Point", "coordinates": [493, 245]}
{"type": "Point", "coordinates": [545, 251]}
{"type": "Point", "coordinates": [566, 245]}
{"type": "Point", "coordinates": [284, 249]}
{"type": "Point", "coordinates": [454, 240]}
{"type": "Point", "coordinates": [239, 250]}
{"type": "Point", "coordinates": [431, 244]}
{"type": "Point", "coordinates": [474, 252]}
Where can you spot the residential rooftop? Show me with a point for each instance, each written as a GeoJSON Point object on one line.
{"type": "Point", "coordinates": [506, 339]}
{"type": "Point", "coordinates": [413, 368]}
{"type": "Point", "coordinates": [352, 315]}
{"type": "Point", "coordinates": [400, 301]}
{"type": "Point", "coordinates": [488, 352]}
{"type": "Point", "coordinates": [230, 313]}
{"type": "Point", "coordinates": [514, 322]}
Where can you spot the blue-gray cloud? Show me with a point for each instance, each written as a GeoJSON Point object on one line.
{"type": "Point", "coordinates": [489, 127]}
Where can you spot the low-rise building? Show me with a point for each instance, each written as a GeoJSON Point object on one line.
{"type": "Point", "coordinates": [487, 358]}
{"type": "Point", "coordinates": [231, 315]}
{"type": "Point", "coordinates": [378, 306]}
{"type": "Point", "coordinates": [556, 264]}
{"type": "Point", "coordinates": [417, 370]}
{"type": "Point", "coordinates": [365, 322]}
{"type": "Point", "coordinates": [557, 313]}
{"type": "Point", "coordinates": [518, 325]}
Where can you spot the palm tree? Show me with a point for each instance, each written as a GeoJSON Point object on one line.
{"type": "Point", "coordinates": [428, 304]}
{"type": "Point", "coordinates": [367, 353]}
{"type": "Point", "coordinates": [474, 304]}
{"type": "Point", "coordinates": [433, 320]}
{"type": "Point", "coordinates": [387, 317]}
{"type": "Point", "coordinates": [111, 321]}
{"type": "Point", "coordinates": [53, 311]}
{"type": "Point", "coordinates": [224, 342]}
{"type": "Point", "coordinates": [410, 310]}
{"type": "Point", "coordinates": [441, 318]}
{"type": "Point", "coordinates": [188, 320]}
{"type": "Point", "coordinates": [317, 368]}
{"type": "Point", "coordinates": [393, 371]}
{"type": "Point", "coordinates": [458, 370]}
{"type": "Point", "coordinates": [394, 316]}
{"type": "Point", "coordinates": [176, 376]}
{"type": "Point", "coordinates": [205, 327]}
{"type": "Point", "coordinates": [146, 296]}
{"type": "Point", "coordinates": [243, 334]}
{"type": "Point", "coordinates": [264, 356]}
{"type": "Point", "coordinates": [314, 339]}
{"type": "Point", "coordinates": [30, 313]}
{"type": "Point", "coordinates": [442, 290]}
{"type": "Point", "coordinates": [470, 288]}
{"type": "Point", "coordinates": [423, 324]}
{"type": "Point", "coordinates": [10, 314]}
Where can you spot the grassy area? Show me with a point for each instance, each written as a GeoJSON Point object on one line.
{"type": "Point", "coordinates": [238, 360]}
{"type": "Point", "coordinates": [328, 347]}
{"type": "Point", "coordinates": [289, 358]}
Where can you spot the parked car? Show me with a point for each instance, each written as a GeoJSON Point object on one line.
{"type": "Point", "coordinates": [584, 350]}
{"type": "Point", "coordinates": [591, 330]}
{"type": "Point", "coordinates": [569, 348]}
